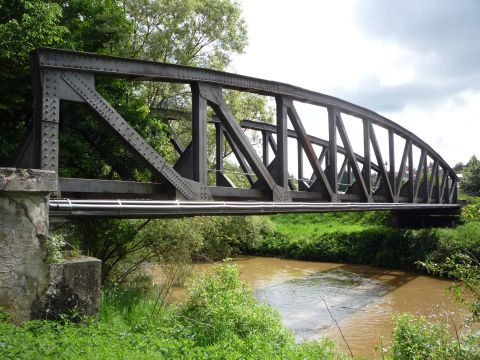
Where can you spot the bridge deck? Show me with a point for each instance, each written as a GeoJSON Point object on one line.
{"type": "Point", "coordinates": [157, 209]}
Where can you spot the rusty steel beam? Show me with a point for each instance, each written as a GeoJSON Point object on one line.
{"type": "Point", "coordinates": [65, 75]}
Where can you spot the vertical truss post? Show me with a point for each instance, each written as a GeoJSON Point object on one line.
{"type": "Point", "coordinates": [437, 184]}
{"type": "Point", "coordinates": [199, 135]}
{"type": "Point", "coordinates": [49, 117]}
{"type": "Point", "coordinates": [447, 187]}
{"type": "Point", "coordinates": [367, 166]}
{"type": "Point", "coordinates": [300, 166]}
{"type": "Point", "coordinates": [265, 138]}
{"type": "Point", "coordinates": [219, 151]}
{"type": "Point", "coordinates": [401, 170]}
{"type": "Point", "coordinates": [418, 174]}
{"type": "Point", "coordinates": [431, 183]}
{"type": "Point", "coordinates": [332, 174]}
{"type": "Point", "coordinates": [391, 159]}
{"type": "Point", "coordinates": [282, 143]}
{"type": "Point", "coordinates": [425, 179]}
{"type": "Point", "coordinates": [411, 184]}
{"type": "Point", "coordinates": [454, 192]}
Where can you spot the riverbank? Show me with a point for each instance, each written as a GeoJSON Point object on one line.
{"type": "Point", "coordinates": [221, 320]}
{"type": "Point", "coordinates": [362, 299]}
{"type": "Point", "coordinates": [365, 238]}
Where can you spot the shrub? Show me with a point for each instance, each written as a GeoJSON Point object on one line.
{"type": "Point", "coordinates": [222, 307]}
{"type": "Point", "coordinates": [471, 212]}
{"type": "Point", "coordinates": [54, 245]}
{"type": "Point", "coordinates": [416, 338]}
{"type": "Point", "coordinates": [465, 269]}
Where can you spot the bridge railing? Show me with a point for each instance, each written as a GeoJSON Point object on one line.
{"type": "Point", "coordinates": [338, 173]}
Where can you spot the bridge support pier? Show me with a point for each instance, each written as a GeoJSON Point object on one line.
{"type": "Point", "coordinates": [424, 218]}
{"type": "Point", "coordinates": [29, 287]}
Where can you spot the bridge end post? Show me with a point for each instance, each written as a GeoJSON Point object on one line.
{"type": "Point", "coordinates": [30, 288]}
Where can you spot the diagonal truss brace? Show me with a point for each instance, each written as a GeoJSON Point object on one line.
{"type": "Point", "coordinates": [308, 148]}
{"type": "Point", "coordinates": [189, 189]}
{"type": "Point", "coordinates": [383, 171]}
{"type": "Point", "coordinates": [352, 158]}
{"type": "Point", "coordinates": [213, 95]}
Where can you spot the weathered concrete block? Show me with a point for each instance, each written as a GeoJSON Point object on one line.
{"type": "Point", "coordinates": [74, 288]}
{"type": "Point", "coordinates": [29, 287]}
{"type": "Point", "coordinates": [27, 180]}
{"type": "Point", "coordinates": [24, 196]}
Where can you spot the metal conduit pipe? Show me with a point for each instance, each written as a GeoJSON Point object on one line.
{"type": "Point", "coordinates": [150, 208]}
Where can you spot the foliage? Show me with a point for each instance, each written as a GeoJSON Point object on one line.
{"type": "Point", "coordinates": [470, 183]}
{"type": "Point", "coordinates": [471, 211]}
{"type": "Point", "coordinates": [465, 269]}
{"type": "Point", "coordinates": [124, 246]}
{"type": "Point", "coordinates": [416, 338]}
{"type": "Point", "coordinates": [226, 236]}
{"type": "Point", "coordinates": [191, 32]}
{"type": "Point", "coordinates": [224, 308]}
{"type": "Point", "coordinates": [24, 26]}
{"type": "Point", "coordinates": [54, 245]}
{"type": "Point", "coordinates": [99, 26]}
{"type": "Point", "coordinates": [129, 327]}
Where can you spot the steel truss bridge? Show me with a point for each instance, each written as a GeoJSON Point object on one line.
{"type": "Point", "coordinates": [338, 178]}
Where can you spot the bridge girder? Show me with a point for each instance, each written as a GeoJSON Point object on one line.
{"type": "Point", "coordinates": [61, 75]}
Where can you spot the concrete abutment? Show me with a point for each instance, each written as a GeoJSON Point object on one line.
{"type": "Point", "coordinates": [29, 287]}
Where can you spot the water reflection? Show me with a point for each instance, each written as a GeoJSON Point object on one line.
{"type": "Point", "coordinates": [302, 301]}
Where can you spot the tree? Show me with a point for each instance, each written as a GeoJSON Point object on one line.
{"type": "Point", "coordinates": [458, 167]}
{"type": "Point", "coordinates": [89, 25]}
{"type": "Point", "coordinates": [24, 26]}
{"type": "Point", "coordinates": [470, 183]}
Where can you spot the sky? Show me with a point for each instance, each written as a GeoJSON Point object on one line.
{"type": "Point", "coordinates": [415, 62]}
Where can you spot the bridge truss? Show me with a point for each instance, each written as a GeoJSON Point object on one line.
{"type": "Point", "coordinates": [340, 178]}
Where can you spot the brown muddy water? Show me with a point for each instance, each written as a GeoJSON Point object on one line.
{"type": "Point", "coordinates": [361, 299]}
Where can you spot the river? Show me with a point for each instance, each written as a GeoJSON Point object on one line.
{"type": "Point", "coordinates": [362, 300]}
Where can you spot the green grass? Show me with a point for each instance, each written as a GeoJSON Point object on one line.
{"type": "Point", "coordinates": [307, 225]}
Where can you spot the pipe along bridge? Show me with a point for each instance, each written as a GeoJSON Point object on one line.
{"type": "Point", "coordinates": [350, 159]}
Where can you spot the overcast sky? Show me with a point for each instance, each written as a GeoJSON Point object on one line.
{"type": "Point", "coordinates": [415, 62]}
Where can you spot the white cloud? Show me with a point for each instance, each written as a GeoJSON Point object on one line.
{"type": "Point", "coordinates": [360, 51]}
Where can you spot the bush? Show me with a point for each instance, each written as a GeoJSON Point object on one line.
{"type": "Point", "coordinates": [465, 269]}
{"type": "Point", "coordinates": [227, 236]}
{"type": "Point", "coordinates": [224, 308]}
{"type": "Point", "coordinates": [416, 338]}
{"type": "Point", "coordinates": [471, 212]}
